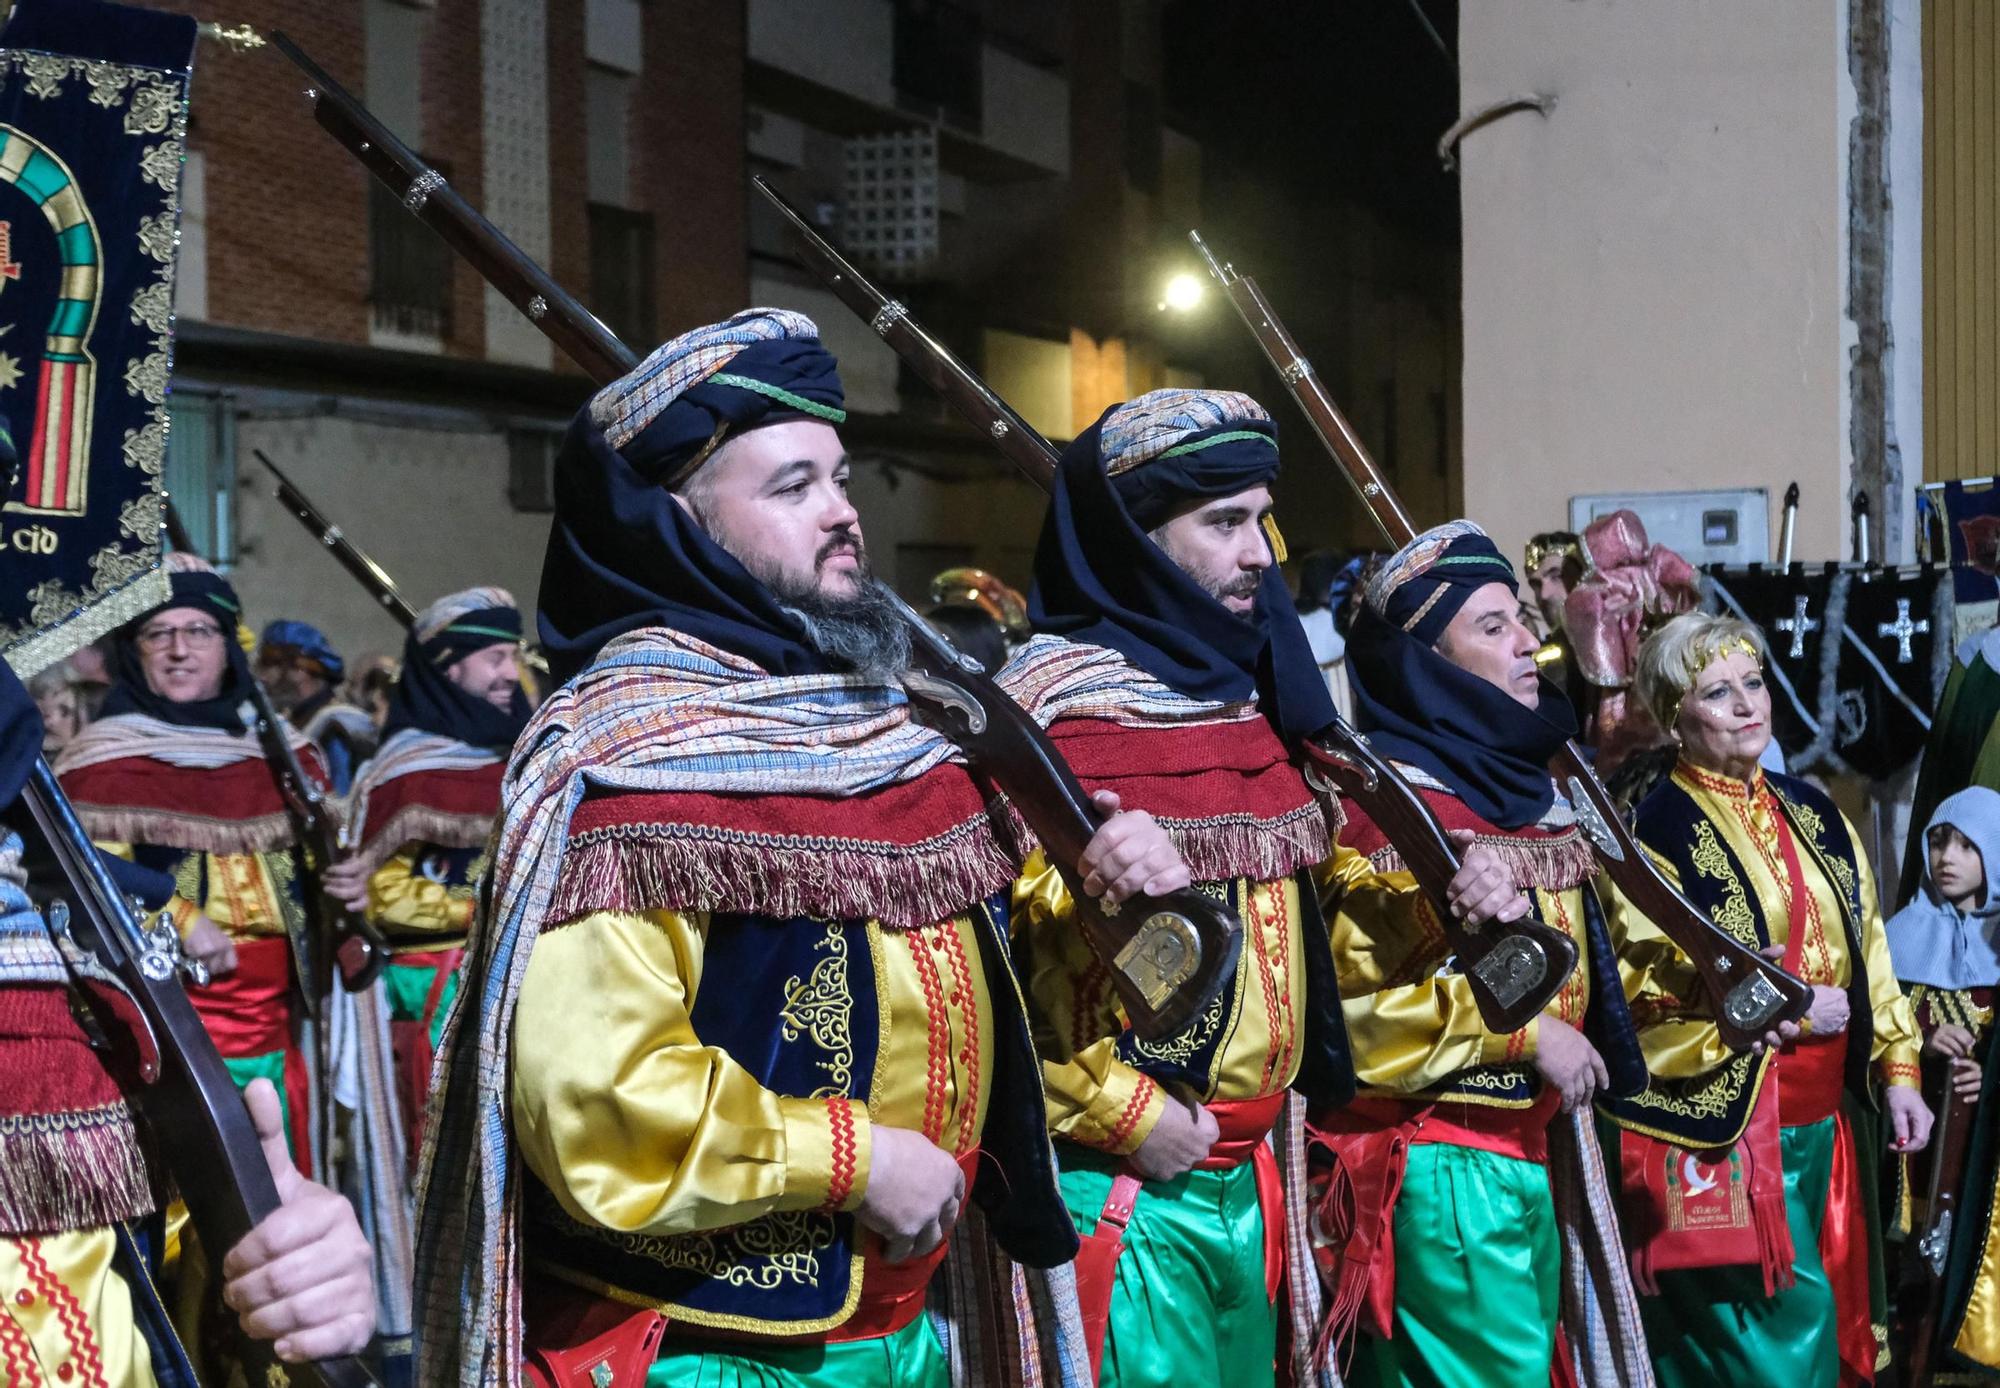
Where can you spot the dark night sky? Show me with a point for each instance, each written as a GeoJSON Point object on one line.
{"type": "Point", "coordinates": [1325, 97]}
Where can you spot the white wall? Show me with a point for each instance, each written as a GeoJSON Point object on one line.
{"type": "Point", "coordinates": [1654, 281]}
{"type": "Point", "coordinates": [429, 504]}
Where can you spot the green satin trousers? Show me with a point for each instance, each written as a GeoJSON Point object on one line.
{"type": "Point", "coordinates": [1478, 1276]}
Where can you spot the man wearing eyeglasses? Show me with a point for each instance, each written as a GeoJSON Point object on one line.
{"type": "Point", "coordinates": [169, 777]}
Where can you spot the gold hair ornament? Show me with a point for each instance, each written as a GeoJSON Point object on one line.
{"type": "Point", "coordinates": [1705, 654]}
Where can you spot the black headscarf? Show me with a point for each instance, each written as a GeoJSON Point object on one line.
{"type": "Point", "coordinates": [20, 744]}
{"type": "Point", "coordinates": [623, 554]}
{"type": "Point", "coordinates": [1419, 708]}
{"type": "Point", "coordinates": [196, 586]}
{"type": "Point", "coordinates": [1099, 578]}
{"type": "Point", "coordinates": [425, 697]}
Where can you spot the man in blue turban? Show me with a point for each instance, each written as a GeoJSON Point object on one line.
{"type": "Point", "coordinates": [737, 1032]}
{"type": "Point", "coordinates": [1172, 669]}
{"type": "Point", "coordinates": [301, 671]}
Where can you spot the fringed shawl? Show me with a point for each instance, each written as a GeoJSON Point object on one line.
{"type": "Point", "coordinates": [693, 730]}
{"type": "Point", "coordinates": [1552, 854]}
{"type": "Point", "coordinates": [1215, 775]}
{"type": "Point", "coordinates": [423, 787]}
{"type": "Point", "coordinates": [137, 779]}
{"type": "Point", "coordinates": [70, 1156]}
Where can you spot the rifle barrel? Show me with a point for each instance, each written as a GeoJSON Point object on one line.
{"type": "Point", "coordinates": [940, 369]}
{"type": "Point", "coordinates": [351, 556]}
{"type": "Point", "coordinates": [1751, 994]}
{"type": "Point", "coordinates": [433, 201]}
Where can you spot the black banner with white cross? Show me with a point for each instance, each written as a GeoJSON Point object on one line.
{"type": "Point", "coordinates": [1859, 657]}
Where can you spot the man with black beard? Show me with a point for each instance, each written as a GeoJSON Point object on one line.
{"type": "Point", "coordinates": [738, 1032]}
{"type": "Point", "coordinates": [1172, 669]}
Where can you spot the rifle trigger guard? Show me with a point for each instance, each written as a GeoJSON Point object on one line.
{"type": "Point", "coordinates": [1592, 822]}
{"type": "Point", "coordinates": [946, 695]}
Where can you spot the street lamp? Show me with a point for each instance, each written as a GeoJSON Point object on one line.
{"type": "Point", "coordinates": [1183, 294]}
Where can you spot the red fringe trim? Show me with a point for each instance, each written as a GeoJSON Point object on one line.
{"type": "Point", "coordinates": [1224, 847]}
{"type": "Point", "coordinates": [645, 867]}
{"type": "Point", "coordinates": [423, 824]}
{"type": "Point", "coordinates": [66, 1171]}
{"type": "Point", "coordinates": [192, 832]}
{"type": "Point", "coordinates": [1554, 865]}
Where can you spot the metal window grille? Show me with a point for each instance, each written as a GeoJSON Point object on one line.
{"type": "Point", "coordinates": [621, 272]}
{"type": "Point", "coordinates": [890, 214]}
{"type": "Point", "coordinates": [409, 269]}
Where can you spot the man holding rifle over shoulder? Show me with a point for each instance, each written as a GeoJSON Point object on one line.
{"type": "Point", "coordinates": [170, 778]}
{"type": "Point", "coordinates": [423, 810]}
{"type": "Point", "coordinates": [1172, 669]}
{"type": "Point", "coordinates": [738, 1034]}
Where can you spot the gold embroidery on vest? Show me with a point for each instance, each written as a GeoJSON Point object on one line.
{"type": "Point", "coordinates": [821, 1009]}
{"type": "Point", "coordinates": [789, 1243]}
{"type": "Point", "coordinates": [1710, 859]}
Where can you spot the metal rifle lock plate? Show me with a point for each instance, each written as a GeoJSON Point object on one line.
{"type": "Point", "coordinates": [1752, 1003]}
{"type": "Point", "coordinates": [1512, 969]}
{"type": "Point", "coordinates": [1161, 955]}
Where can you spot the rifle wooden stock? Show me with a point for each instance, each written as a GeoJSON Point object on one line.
{"type": "Point", "coordinates": [1951, 1146]}
{"type": "Point", "coordinates": [366, 571]}
{"type": "Point", "coordinates": [202, 1130]}
{"type": "Point", "coordinates": [1513, 969]}
{"type": "Point", "coordinates": [433, 201]}
{"type": "Point", "coordinates": [1750, 993]}
{"type": "Point", "coordinates": [1167, 956]}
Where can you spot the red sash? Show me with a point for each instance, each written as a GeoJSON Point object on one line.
{"type": "Point", "coordinates": [248, 1012]}
{"type": "Point", "coordinates": [573, 1339]}
{"type": "Point", "coordinates": [1364, 1151]}
{"type": "Point", "coordinates": [1687, 1209]}
{"type": "Point", "coordinates": [411, 1042]}
{"type": "Point", "coordinates": [1243, 1125]}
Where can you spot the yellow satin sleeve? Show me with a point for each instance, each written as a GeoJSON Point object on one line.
{"type": "Point", "coordinates": [402, 898]}
{"type": "Point", "coordinates": [630, 1120]}
{"type": "Point", "coordinates": [1090, 1096]}
{"type": "Point", "coordinates": [1898, 1040]}
{"type": "Point", "coordinates": [1677, 1033]}
{"type": "Point", "coordinates": [244, 890]}
{"type": "Point", "coordinates": [72, 1313]}
{"type": "Point", "coordinates": [1410, 1027]}
{"type": "Point", "coordinates": [1099, 1100]}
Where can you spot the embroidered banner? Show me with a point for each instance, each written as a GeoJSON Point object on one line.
{"type": "Point", "coordinates": [93, 116]}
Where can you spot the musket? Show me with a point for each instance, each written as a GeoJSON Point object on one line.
{"type": "Point", "coordinates": [1790, 529]}
{"type": "Point", "coordinates": [1513, 969]}
{"type": "Point", "coordinates": [187, 1097]}
{"type": "Point", "coordinates": [1863, 549]}
{"type": "Point", "coordinates": [1951, 1145]}
{"type": "Point", "coordinates": [359, 951]}
{"type": "Point", "coordinates": [1167, 956]}
{"type": "Point", "coordinates": [366, 571]}
{"type": "Point", "coordinates": [1751, 994]}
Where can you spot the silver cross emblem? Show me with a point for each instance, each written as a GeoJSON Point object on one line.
{"type": "Point", "coordinates": [1799, 625]}
{"type": "Point", "coordinates": [1903, 629]}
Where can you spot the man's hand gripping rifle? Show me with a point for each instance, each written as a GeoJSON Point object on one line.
{"type": "Point", "coordinates": [1751, 995]}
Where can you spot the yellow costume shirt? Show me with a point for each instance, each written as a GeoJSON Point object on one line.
{"type": "Point", "coordinates": [1678, 1039]}
{"type": "Point", "coordinates": [636, 1125]}
{"type": "Point", "coordinates": [1096, 1099]}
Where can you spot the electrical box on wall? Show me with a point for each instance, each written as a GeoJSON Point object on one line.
{"type": "Point", "coordinates": [1718, 527]}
